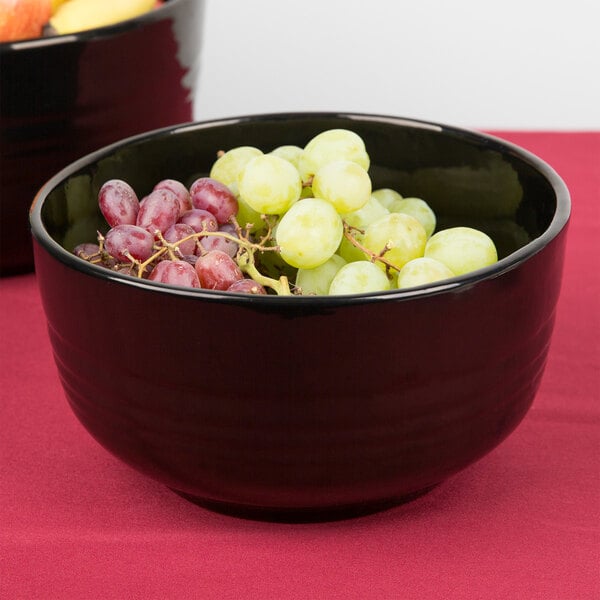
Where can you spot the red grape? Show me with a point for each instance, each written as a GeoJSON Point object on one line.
{"type": "Point", "coordinates": [215, 197]}
{"type": "Point", "coordinates": [246, 286]}
{"type": "Point", "coordinates": [86, 250]}
{"type": "Point", "coordinates": [179, 231]}
{"type": "Point", "coordinates": [126, 269]}
{"type": "Point", "coordinates": [200, 220]}
{"type": "Point", "coordinates": [190, 258]}
{"type": "Point", "coordinates": [175, 272]}
{"type": "Point", "coordinates": [118, 203]}
{"type": "Point", "coordinates": [216, 242]}
{"type": "Point", "coordinates": [159, 210]}
{"type": "Point", "coordinates": [217, 270]}
{"type": "Point", "coordinates": [182, 193]}
{"type": "Point", "coordinates": [129, 239]}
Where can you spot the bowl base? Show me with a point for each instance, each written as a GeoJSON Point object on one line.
{"type": "Point", "coordinates": [302, 514]}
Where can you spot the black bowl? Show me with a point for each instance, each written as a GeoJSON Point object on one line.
{"type": "Point", "coordinates": [308, 407]}
{"type": "Point", "coordinates": [64, 96]}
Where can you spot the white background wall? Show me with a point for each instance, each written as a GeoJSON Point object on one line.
{"type": "Point", "coordinates": [521, 64]}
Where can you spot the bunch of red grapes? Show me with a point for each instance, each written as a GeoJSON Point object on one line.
{"type": "Point", "coordinates": [174, 235]}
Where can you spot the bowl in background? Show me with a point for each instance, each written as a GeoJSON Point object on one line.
{"type": "Point", "coordinates": [308, 408]}
{"type": "Point", "coordinates": [64, 96]}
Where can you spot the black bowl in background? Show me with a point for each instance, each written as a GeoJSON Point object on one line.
{"type": "Point", "coordinates": [303, 408]}
{"type": "Point", "coordinates": [64, 96]}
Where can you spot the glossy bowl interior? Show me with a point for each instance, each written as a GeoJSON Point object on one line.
{"type": "Point", "coordinates": [305, 408]}
{"type": "Point", "coordinates": [65, 96]}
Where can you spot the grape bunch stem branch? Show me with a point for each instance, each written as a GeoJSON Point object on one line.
{"type": "Point", "coordinates": [373, 257]}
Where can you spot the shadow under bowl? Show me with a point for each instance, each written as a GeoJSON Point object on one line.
{"type": "Point", "coordinates": [308, 408]}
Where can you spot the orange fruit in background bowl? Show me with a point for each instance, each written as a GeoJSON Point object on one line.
{"type": "Point", "coordinates": [22, 19]}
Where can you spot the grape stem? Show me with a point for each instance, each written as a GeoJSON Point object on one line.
{"type": "Point", "coordinates": [97, 257]}
{"type": "Point", "coordinates": [373, 257]}
{"type": "Point", "coordinates": [142, 265]}
{"type": "Point", "coordinates": [244, 258]}
{"type": "Point", "coordinates": [245, 255]}
{"type": "Point", "coordinates": [280, 286]}
{"type": "Point", "coordinates": [172, 249]}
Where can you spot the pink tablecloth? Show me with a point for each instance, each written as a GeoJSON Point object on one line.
{"type": "Point", "coordinates": [521, 523]}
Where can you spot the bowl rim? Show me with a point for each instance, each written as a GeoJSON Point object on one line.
{"type": "Point", "coordinates": [92, 34]}
{"type": "Point", "coordinates": [559, 221]}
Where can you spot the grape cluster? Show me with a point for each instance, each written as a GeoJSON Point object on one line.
{"type": "Point", "coordinates": [294, 220]}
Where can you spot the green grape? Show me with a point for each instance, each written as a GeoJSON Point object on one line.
{"type": "Point", "coordinates": [348, 251]}
{"type": "Point", "coordinates": [229, 166]}
{"type": "Point", "coordinates": [290, 153]}
{"type": "Point", "coordinates": [317, 281]}
{"type": "Point", "coordinates": [343, 183]}
{"type": "Point", "coordinates": [365, 215]}
{"type": "Point", "coordinates": [330, 145]}
{"type": "Point", "coordinates": [419, 209]}
{"type": "Point", "coordinates": [421, 271]}
{"type": "Point", "coordinates": [386, 196]}
{"type": "Point", "coordinates": [309, 233]}
{"type": "Point", "coordinates": [359, 278]}
{"type": "Point", "coordinates": [270, 184]}
{"type": "Point", "coordinates": [462, 249]}
{"type": "Point", "coordinates": [360, 219]}
{"type": "Point", "coordinates": [403, 235]}
{"type": "Point", "coordinates": [248, 216]}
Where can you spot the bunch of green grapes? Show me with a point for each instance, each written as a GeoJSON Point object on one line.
{"type": "Point", "coordinates": [338, 235]}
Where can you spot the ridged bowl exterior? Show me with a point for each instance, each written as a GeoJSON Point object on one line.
{"type": "Point", "coordinates": [62, 97]}
{"type": "Point", "coordinates": [303, 408]}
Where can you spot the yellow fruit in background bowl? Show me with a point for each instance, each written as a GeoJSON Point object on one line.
{"type": "Point", "coordinates": [80, 15]}
{"type": "Point", "coordinates": [55, 4]}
